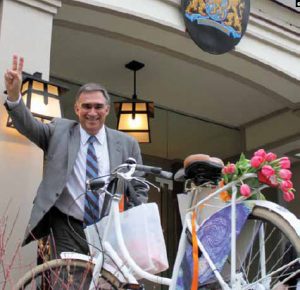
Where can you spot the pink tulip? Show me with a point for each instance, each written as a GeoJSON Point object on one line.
{"type": "Point", "coordinates": [225, 170]}
{"type": "Point", "coordinates": [267, 171]}
{"type": "Point", "coordinates": [285, 163]}
{"type": "Point", "coordinates": [285, 174]}
{"type": "Point", "coordinates": [286, 185]}
{"type": "Point", "coordinates": [231, 168]}
{"type": "Point", "coordinates": [261, 152]}
{"type": "Point", "coordinates": [245, 190]}
{"type": "Point", "coordinates": [256, 161]}
{"type": "Point", "coordinates": [262, 178]}
{"type": "Point", "coordinates": [288, 196]}
{"type": "Point", "coordinates": [272, 181]}
{"type": "Point", "coordinates": [271, 156]}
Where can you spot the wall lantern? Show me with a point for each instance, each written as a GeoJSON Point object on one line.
{"type": "Point", "coordinates": [133, 115]}
{"type": "Point", "coordinates": [41, 97]}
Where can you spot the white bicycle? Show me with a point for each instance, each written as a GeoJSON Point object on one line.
{"type": "Point", "coordinates": [254, 258]}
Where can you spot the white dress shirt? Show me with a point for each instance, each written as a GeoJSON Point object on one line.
{"type": "Point", "coordinates": [11, 104]}
{"type": "Point", "coordinates": [71, 201]}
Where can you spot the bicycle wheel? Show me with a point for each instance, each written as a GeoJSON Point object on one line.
{"type": "Point", "coordinates": [262, 249]}
{"type": "Point", "coordinates": [67, 274]}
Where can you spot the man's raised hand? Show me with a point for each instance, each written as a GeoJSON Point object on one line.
{"type": "Point", "coordinates": [13, 78]}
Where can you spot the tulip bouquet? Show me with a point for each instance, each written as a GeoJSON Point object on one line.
{"type": "Point", "coordinates": [270, 170]}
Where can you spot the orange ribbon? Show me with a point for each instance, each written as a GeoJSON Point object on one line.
{"type": "Point", "coordinates": [195, 254]}
{"type": "Point", "coordinates": [121, 203]}
{"type": "Point", "coordinates": [224, 195]}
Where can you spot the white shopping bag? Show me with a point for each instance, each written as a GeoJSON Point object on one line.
{"type": "Point", "coordinates": [184, 203]}
{"type": "Point", "coordinates": [143, 237]}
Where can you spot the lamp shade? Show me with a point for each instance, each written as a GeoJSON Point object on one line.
{"type": "Point", "coordinates": [133, 116]}
{"type": "Point", "coordinates": [133, 119]}
{"type": "Point", "coordinates": [41, 97]}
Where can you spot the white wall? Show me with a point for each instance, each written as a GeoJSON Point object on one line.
{"type": "Point", "coordinates": [26, 31]}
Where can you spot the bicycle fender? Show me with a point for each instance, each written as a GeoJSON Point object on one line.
{"type": "Point", "coordinates": [77, 256]}
{"type": "Point", "coordinates": [280, 210]}
{"type": "Point", "coordinates": [107, 267]}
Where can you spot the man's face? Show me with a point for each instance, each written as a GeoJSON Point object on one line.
{"type": "Point", "coordinates": [92, 110]}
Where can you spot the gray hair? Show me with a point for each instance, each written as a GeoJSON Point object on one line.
{"type": "Point", "coordinates": [93, 87]}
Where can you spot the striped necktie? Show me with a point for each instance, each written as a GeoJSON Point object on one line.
{"type": "Point", "coordinates": [91, 204]}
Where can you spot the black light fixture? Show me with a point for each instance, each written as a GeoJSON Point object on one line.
{"type": "Point", "coordinates": [133, 115]}
{"type": "Point", "coordinates": [41, 97]}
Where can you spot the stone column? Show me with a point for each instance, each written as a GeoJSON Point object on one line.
{"type": "Point", "coordinates": [25, 29]}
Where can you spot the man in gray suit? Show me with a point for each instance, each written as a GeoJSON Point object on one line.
{"type": "Point", "coordinates": [65, 145]}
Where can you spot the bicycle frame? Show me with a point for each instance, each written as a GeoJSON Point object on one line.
{"type": "Point", "coordinates": [236, 280]}
{"type": "Point", "coordinates": [114, 220]}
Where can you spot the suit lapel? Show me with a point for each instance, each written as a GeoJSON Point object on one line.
{"type": "Point", "coordinates": [73, 147]}
{"type": "Point", "coordinates": [114, 148]}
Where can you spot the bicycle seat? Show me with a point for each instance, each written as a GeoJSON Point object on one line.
{"type": "Point", "coordinates": [201, 168]}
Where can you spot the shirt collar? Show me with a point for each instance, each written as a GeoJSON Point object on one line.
{"type": "Point", "coordinates": [100, 136]}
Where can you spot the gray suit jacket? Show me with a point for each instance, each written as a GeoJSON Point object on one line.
{"type": "Point", "coordinates": [60, 141]}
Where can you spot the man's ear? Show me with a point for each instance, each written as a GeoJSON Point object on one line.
{"type": "Point", "coordinates": [107, 109]}
{"type": "Point", "coordinates": [76, 108]}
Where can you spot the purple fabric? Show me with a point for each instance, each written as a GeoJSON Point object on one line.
{"type": "Point", "coordinates": [215, 235]}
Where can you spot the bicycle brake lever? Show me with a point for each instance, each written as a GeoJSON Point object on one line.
{"type": "Point", "coordinates": [147, 183]}
{"type": "Point", "coordinates": [127, 175]}
{"type": "Point", "coordinates": [107, 192]}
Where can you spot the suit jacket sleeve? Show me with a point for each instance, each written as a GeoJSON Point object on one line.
{"type": "Point", "coordinates": [36, 131]}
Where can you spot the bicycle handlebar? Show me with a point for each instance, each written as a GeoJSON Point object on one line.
{"type": "Point", "coordinates": [154, 170]}
{"type": "Point", "coordinates": [97, 183]}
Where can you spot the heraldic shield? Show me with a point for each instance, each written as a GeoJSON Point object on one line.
{"type": "Point", "coordinates": [216, 26]}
